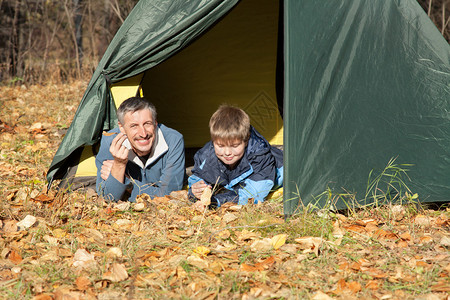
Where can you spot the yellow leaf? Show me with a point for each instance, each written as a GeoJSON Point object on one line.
{"type": "Point", "coordinates": [202, 250]}
{"type": "Point", "coordinates": [59, 233]}
{"type": "Point", "coordinates": [278, 240]}
{"type": "Point", "coordinates": [205, 198]}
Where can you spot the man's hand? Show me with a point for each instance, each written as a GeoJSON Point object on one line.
{"type": "Point", "coordinates": [106, 168]}
{"type": "Point", "coordinates": [118, 150]}
{"type": "Point", "coordinates": [198, 187]}
{"type": "Point", "coordinates": [120, 154]}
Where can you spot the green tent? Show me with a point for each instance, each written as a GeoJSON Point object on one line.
{"type": "Point", "coordinates": [360, 82]}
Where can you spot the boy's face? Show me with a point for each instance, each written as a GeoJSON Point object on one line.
{"type": "Point", "coordinates": [140, 129]}
{"type": "Point", "coordinates": [229, 152]}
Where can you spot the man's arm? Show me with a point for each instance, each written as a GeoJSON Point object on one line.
{"type": "Point", "coordinates": [172, 172]}
{"type": "Point", "coordinates": [172, 176]}
{"type": "Point", "coordinates": [110, 169]}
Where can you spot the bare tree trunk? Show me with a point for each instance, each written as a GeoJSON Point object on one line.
{"type": "Point", "coordinates": [74, 38]}
{"type": "Point", "coordinates": [14, 41]}
{"type": "Point", "coordinates": [78, 20]}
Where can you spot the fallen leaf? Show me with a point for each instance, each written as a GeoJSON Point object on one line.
{"type": "Point", "coordinates": [114, 252]}
{"type": "Point", "coordinates": [205, 198]}
{"type": "Point", "coordinates": [445, 241]}
{"type": "Point", "coordinates": [82, 283]}
{"type": "Point", "coordinates": [372, 285]}
{"type": "Point", "coordinates": [310, 244]}
{"type": "Point", "coordinates": [229, 217]}
{"type": "Point", "coordinates": [45, 296]}
{"type": "Point", "coordinates": [43, 198]}
{"type": "Point", "coordinates": [354, 286]}
{"type": "Point", "coordinates": [248, 268]}
{"type": "Point", "coordinates": [278, 241]}
{"type": "Point", "coordinates": [319, 295]}
{"type": "Point", "coordinates": [10, 226]}
{"type": "Point", "coordinates": [422, 220]}
{"type": "Point", "coordinates": [263, 245]}
{"type": "Point", "coordinates": [405, 236]}
{"type": "Point", "coordinates": [266, 263]}
{"type": "Point", "coordinates": [441, 287]}
{"type": "Point", "coordinates": [202, 250]}
{"type": "Point", "coordinates": [426, 239]}
{"type": "Point", "coordinates": [197, 262]}
{"type": "Point", "coordinates": [118, 273]}
{"type": "Point", "coordinates": [15, 257]}
{"type": "Point", "coordinates": [139, 206]}
{"type": "Point", "coordinates": [83, 259]}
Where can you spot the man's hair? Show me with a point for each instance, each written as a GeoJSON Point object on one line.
{"type": "Point", "coordinates": [229, 123]}
{"type": "Point", "coordinates": [134, 104]}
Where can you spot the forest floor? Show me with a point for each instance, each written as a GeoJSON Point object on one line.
{"type": "Point", "coordinates": [74, 245]}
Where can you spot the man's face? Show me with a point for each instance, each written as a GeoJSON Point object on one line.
{"type": "Point", "coordinates": [140, 129]}
{"type": "Point", "coordinates": [229, 152]}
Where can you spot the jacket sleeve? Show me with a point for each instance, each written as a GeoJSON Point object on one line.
{"type": "Point", "coordinates": [110, 189]}
{"type": "Point", "coordinates": [258, 185]}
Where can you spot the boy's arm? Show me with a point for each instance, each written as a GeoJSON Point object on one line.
{"type": "Point", "coordinates": [258, 185]}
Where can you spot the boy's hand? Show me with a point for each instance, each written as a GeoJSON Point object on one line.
{"type": "Point", "coordinates": [198, 187]}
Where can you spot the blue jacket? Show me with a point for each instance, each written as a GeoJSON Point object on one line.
{"type": "Point", "coordinates": [163, 173]}
{"type": "Point", "coordinates": [258, 172]}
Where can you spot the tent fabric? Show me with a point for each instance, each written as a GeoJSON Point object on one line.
{"type": "Point", "coordinates": [366, 82]}
{"type": "Point", "coordinates": [154, 30]}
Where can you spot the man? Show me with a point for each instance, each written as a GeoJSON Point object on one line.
{"type": "Point", "coordinates": [140, 156]}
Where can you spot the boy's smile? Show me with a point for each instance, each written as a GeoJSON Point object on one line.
{"type": "Point", "coordinates": [229, 152]}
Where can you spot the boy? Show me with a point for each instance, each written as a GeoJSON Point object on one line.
{"type": "Point", "coordinates": [238, 161]}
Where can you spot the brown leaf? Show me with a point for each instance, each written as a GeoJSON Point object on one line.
{"type": "Point", "coordinates": [319, 295]}
{"type": "Point", "coordinates": [82, 283]}
{"type": "Point", "coordinates": [266, 263]}
{"type": "Point", "coordinates": [15, 257]}
{"type": "Point", "coordinates": [10, 226]}
{"type": "Point", "coordinates": [249, 268]}
{"type": "Point", "coordinates": [372, 285]}
{"type": "Point", "coordinates": [402, 244]}
{"type": "Point", "coordinates": [43, 198]}
{"type": "Point", "coordinates": [354, 286]}
{"type": "Point", "coordinates": [405, 236]}
{"type": "Point", "coordinates": [426, 239]}
{"type": "Point", "coordinates": [441, 286]}
{"type": "Point", "coordinates": [118, 273]}
{"type": "Point", "coordinates": [205, 198]}
{"type": "Point", "coordinates": [45, 296]}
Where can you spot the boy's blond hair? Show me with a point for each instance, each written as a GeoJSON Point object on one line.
{"type": "Point", "coordinates": [229, 123]}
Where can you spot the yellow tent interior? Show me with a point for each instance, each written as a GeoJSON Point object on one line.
{"type": "Point", "coordinates": [234, 63]}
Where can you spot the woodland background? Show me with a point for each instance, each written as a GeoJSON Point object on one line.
{"type": "Point", "coordinates": [58, 40]}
